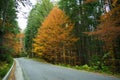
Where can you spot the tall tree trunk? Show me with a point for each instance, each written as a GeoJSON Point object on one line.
{"type": "Point", "coordinates": [64, 56]}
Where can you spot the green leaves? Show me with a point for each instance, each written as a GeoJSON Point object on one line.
{"type": "Point", "coordinates": [35, 19]}
{"type": "Point", "coordinates": [8, 27]}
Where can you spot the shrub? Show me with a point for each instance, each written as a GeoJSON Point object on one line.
{"type": "Point", "coordinates": [96, 62]}
{"type": "Point", "coordinates": [86, 67]}
{"type": "Point", "coordinates": [3, 69]}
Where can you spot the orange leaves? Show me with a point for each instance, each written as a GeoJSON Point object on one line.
{"type": "Point", "coordinates": [12, 42]}
{"type": "Point", "coordinates": [21, 35]}
{"type": "Point", "coordinates": [17, 47]}
{"type": "Point", "coordinates": [109, 29]}
{"type": "Point", "coordinates": [54, 33]}
{"type": "Point", "coordinates": [110, 26]}
{"type": "Point", "coordinates": [54, 19]}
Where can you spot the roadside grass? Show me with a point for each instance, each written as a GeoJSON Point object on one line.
{"type": "Point", "coordinates": [104, 71]}
{"type": "Point", "coordinates": [12, 73]}
{"type": "Point", "coordinates": [4, 68]}
{"type": "Point", "coordinates": [85, 67]}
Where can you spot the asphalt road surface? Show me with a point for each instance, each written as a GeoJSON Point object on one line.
{"type": "Point", "coordinates": [33, 70]}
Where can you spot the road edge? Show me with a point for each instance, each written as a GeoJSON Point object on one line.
{"type": "Point", "coordinates": [9, 72]}
{"type": "Point", "coordinates": [18, 71]}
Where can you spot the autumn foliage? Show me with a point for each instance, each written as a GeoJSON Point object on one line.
{"type": "Point", "coordinates": [11, 41]}
{"type": "Point", "coordinates": [55, 41]}
{"type": "Point", "coordinates": [109, 32]}
{"type": "Point", "coordinates": [10, 44]}
{"type": "Point", "coordinates": [109, 29]}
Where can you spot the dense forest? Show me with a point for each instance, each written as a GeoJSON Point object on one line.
{"type": "Point", "coordinates": [70, 32]}
{"type": "Point", "coordinates": [75, 32]}
{"type": "Point", "coordinates": [10, 35]}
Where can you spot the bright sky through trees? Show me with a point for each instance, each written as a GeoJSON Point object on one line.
{"type": "Point", "coordinates": [22, 18]}
{"type": "Point", "coordinates": [22, 21]}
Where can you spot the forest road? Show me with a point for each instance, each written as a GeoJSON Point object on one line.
{"type": "Point", "coordinates": [33, 70]}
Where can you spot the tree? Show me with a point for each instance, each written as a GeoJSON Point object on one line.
{"type": "Point", "coordinates": [35, 19]}
{"type": "Point", "coordinates": [8, 28]}
{"type": "Point", "coordinates": [85, 15]}
{"type": "Point", "coordinates": [55, 41]}
{"type": "Point", "coordinates": [109, 32]}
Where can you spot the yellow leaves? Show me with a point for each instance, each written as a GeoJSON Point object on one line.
{"type": "Point", "coordinates": [38, 47]}
{"type": "Point", "coordinates": [109, 29]}
{"type": "Point", "coordinates": [54, 19]}
{"type": "Point", "coordinates": [54, 33]}
{"type": "Point", "coordinates": [12, 41]}
{"type": "Point", "coordinates": [17, 47]}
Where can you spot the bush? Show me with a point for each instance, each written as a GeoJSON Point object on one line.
{"type": "Point", "coordinates": [5, 64]}
{"type": "Point", "coordinates": [6, 57]}
{"type": "Point", "coordinates": [96, 62]}
{"type": "Point", "coordinates": [4, 69]}
{"type": "Point", "coordinates": [85, 67]}
{"type": "Point", "coordinates": [77, 67]}
{"type": "Point", "coordinates": [106, 69]}
{"type": "Point", "coordinates": [23, 54]}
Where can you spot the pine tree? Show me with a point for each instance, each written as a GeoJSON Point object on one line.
{"type": "Point", "coordinates": [35, 19]}
{"type": "Point", "coordinates": [85, 15]}
{"type": "Point", "coordinates": [54, 40]}
{"type": "Point", "coordinates": [8, 28]}
{"type": "Point", "coordinates": [109, 32]}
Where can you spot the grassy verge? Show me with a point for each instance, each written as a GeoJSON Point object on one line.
{"type": "Point", "coordinates": [4, 68]}
{"type": "Point", "coordinates": [105, 71]}
{"type": "Point", "coordinates": [12, 73]}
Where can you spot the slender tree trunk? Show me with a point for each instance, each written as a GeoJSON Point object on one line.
{"type": "Point", "coordinates": [64, 60]}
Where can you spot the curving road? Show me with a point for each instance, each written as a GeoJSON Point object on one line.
{"type": "Point", "coordinates": [33, 70]}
